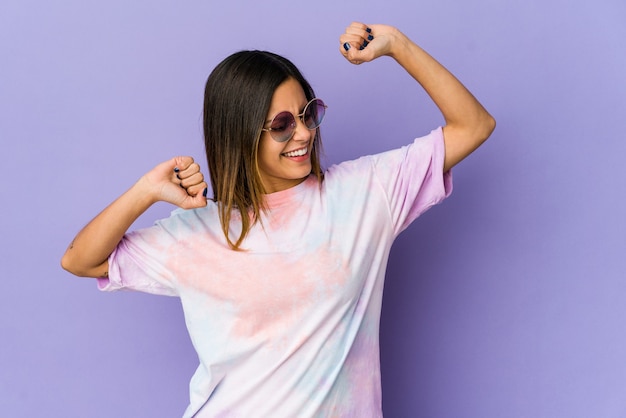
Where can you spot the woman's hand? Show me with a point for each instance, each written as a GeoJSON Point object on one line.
{"type": "Point", "coordinates": [177, 181]}
{"type": "Point", "coordinates": [363, 43]}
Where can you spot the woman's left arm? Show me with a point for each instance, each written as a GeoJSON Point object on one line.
{"type": "Point", "coordinates": [467, 123]}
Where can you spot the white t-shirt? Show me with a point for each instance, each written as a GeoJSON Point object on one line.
{"type": "Point", "coordinates": [289, 327]}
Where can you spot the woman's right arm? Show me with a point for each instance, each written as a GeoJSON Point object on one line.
{"type": "Point", "coordinates": [177, 181]}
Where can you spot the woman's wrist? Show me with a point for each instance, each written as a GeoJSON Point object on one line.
{"type": "Point", "coordinates": [144, 192]}
{"type": "Point", "coordinates": [400, 46]}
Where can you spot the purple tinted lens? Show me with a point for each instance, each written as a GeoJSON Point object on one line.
{"type": "Point", "coordinates": [314, 113]}
{"type": "Point", "coordinates": [282, 126]}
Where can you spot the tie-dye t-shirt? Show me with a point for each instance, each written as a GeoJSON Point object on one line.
{"type": "Point", "coordinates": [289, 326]}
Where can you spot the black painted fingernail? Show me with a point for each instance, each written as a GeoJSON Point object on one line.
{"type": "Point", "coordinates": [204, 193]}
{"type": "Point", "coordinates": [178, 177]}
{"type": "Point", "coordinates": [368, 30]}
{"type": "Point", "coordinates": [176, 169]}
{"type": "Point", "coordinates": [370, 37]}
{"type": "Point", "coordinates": [365, 43]}
{"type": "Point", "coordinates": [346, 46]}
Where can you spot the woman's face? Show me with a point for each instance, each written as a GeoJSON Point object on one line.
{"type": "Point", "coordinates": [283, 165]}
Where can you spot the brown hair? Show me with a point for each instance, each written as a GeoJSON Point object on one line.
{"type": "Point", "coordinates": [237, 98]}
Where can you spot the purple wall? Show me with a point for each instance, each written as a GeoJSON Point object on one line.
{"type": "Point", "coordinates": [505, 301]}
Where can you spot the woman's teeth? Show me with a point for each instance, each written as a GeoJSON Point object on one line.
{"type": "Point", "coordinates": [296, 153]}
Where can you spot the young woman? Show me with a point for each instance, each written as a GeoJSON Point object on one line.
{"type": "Point", "coordinates": [281, 274]}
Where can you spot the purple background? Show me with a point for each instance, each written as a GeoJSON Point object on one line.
{"type": "Point", "coordinates": [508, 300]}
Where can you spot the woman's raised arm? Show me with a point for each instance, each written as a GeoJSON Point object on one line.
{"type": "Point", "coordinates": [177, 181]}
{"type": "Point", "coordinates": [467, 123]}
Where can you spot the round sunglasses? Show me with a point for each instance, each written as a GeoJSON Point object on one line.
{"type": "Point", "coordinates": [283, 125]}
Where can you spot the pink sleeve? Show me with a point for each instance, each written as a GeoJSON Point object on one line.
{"type": "Point", "coordinates": [137, 264]}
{"type": "Point", "coordinates": [413, 178]}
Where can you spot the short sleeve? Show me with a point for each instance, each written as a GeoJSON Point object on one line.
{"type": "Point", "coordinates": [413, 178]}
{"type": "Point", "coordinates": [139, 263]}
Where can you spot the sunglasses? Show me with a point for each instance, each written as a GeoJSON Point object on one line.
{"type": "Point", "coordinates": [283, 126]}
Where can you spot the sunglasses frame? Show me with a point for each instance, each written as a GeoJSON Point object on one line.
{"type": "Point", "coordinates": [293, 124]}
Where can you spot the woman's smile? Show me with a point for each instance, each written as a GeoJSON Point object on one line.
{"type": "Point", "coordinates": [297, 153]}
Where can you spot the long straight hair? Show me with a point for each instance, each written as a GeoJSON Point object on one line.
{"type": "Point", "coordinates": [237, 98]}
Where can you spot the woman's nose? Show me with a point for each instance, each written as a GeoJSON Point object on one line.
{"type": "Point", "coordinates": [301, 133]}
